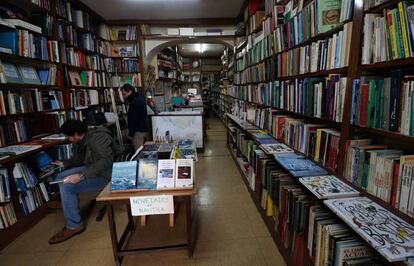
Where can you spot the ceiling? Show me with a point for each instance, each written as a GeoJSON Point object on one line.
{"type": "Point", "coordinates": [164, 9]}
{"type": "Point", "coordinates": [209, 50]}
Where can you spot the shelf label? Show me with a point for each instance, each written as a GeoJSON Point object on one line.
{"type": "Point", "coordinates": [152, 205]}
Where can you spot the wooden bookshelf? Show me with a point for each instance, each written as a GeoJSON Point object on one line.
{"type": "Point", "coordinates": [354, 70]}
{"type": "Point", "coordinates": [25, 222]}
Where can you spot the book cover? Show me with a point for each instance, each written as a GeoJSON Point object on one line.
{"type": "Point", "coordinates": [276, 148]}
{"type": "Point", "coordinates": [124, 176]}
{"type": "Point", "coordinates": [329, 12]}
{"type": "Point", "coordinates": [147, 174]}
{"type": "Point", "coordinates": [11, 73]}
{"type": "Point", "coordinates": [299, 166]}
{"type": "Point", "coordinates": [184, 173]}
{"type": "Point", "coordinates": [389, 235]}
{"type": "Point", "coordinates": [328, 187]}
{"type": "Point", "coordinates": [29, 75]}
{"type": "Point", "coordinates": [166, 170]}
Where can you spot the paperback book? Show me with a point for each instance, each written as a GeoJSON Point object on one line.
{"type": "Point", "coordinates": [389, 235]}
{"type": "Point", "coordinates": [166, 170]}
{"type": "Point", "coordinates": [328, 187]}
{"type": "Point", "coordinates": [147, 174]}
{"type": "Point", "coordinates": [124, 176]}
{"type": "Point", "coordinates": [276, 148]}
{"type": "Point", "coordinates": [184, 176]}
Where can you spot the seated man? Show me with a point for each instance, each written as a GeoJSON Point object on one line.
{"type": "Point", "coordinates": [88, 171]}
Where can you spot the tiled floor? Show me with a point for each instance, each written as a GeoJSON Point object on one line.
{"type": "Point", "coordinates": [230, 229]}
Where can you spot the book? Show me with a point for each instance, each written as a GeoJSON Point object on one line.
{"type": "Point", "coordinates": [328, 187]}
{"type": "Point", "coordinates": [147, 174]}
{"type": "Point", "coordinates": [124, 176]}
{"type": "Point", "coordinates": [184, 173]}
{"type": "Point", "coordinates": [11, 73]}
{"type": "Point", "coordinates": [276, 148]}
{"type": "Point", "coordinates": [299, 166]}
{"type": "Point", "coordinates": [371, 221]}
{"type": "Point", "coordinates": [166, 171]}
{"type": "Point", "coordinates": [29, 75]}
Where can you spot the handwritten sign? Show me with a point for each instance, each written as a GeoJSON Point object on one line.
{"type": "Point", "coordinates": [152, 205]}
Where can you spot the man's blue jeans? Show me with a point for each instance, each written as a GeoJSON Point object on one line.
{"type": "Point", "coordinates": [69, 193]}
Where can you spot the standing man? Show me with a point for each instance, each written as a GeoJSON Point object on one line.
{"type": "Point", "coordinates": [88, 171]}
{"type": "Point", "coordinates": [137, 116]}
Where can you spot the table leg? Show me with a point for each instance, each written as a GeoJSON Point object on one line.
{"type": "Point", "coordinates": [112, 231]}
{"type": "Point", "coordinates": [130, 218]}
{"type": "Point", "coordinates": [189, 221]}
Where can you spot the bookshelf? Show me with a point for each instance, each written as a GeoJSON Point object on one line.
{"type": "Point", "coordinates": [258, 51]}
{"type": "Point", "coordinates": [72, 53]}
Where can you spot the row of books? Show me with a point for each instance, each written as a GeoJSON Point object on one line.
{"type": "Point", "coordinates": [317, 97]}
{"type": "Point", "coordinates": [83, 98]}
{"type": "Point", "coordinates": [10, 73]}
{"type": "Point", "coordinates": [121, 65]}
{"type": "Point", "coordinates": [295, 217]}
{"type": "Point", "coordinates": [78, 17]}
{"type": "Point", "coordinates": [72, 37]}
{"type": "Point", "coordinates": [122, 33]}
{"type": "Point", "coordinates": [74, 57]}
{"type": "Point", "coordinates": [281, 196]}
{"type": "Point", "coordinates": [330, 53]}
{"type": "Point", "coordinates": [382, 102]}
{"type": "Point", "coordinates": [390, 35]}
{"type": "Point", "coordinates": [7, 216]}
{"type": "Point", "coordinates": [87, 79]}
{"type": "Point", "coordinates": [25, 101]}
{"type": "Point", "coordinates": [42, 3]}
{"type": "Point", "coordinates": [383, 172]}
{"type": "Point", "coordinates": [32, 199]}
{"type": "Point", "coordinates": [12, 132]}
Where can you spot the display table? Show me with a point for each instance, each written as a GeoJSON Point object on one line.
{"type": "Point", "coordinates": [112, 199]}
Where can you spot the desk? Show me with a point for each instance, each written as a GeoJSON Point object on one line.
{"type": "Point", "coordinates": [112, 199]}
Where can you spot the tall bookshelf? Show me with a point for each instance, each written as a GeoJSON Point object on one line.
{"type": "Point", "coordinates": [74, 48]}
{"type": "Point", "coordinates": [261, 61]}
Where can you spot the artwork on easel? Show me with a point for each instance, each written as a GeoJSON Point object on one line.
{"type": "Point", "coordinates": [389, 235]}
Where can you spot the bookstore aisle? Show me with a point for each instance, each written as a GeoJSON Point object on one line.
{"type": "Point", "coordinates": [230, 229]}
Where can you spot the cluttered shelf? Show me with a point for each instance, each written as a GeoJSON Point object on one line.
{"type": "Point", "coordinates": [394, 211]}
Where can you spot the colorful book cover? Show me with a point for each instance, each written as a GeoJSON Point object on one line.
{"type": "Point", "coordinates": [328, 187]}
{"type": "Point", "coordinates": [299, 166]}
{"type": "Point", "coordinates": [329, 12]}
{"type": "Point", "coordinates": [389, 235]}
{"type": "Point", "coordinates": [276, 148]}
{"type": "Point", "coordinates": [147, 174]}
{"type": "Point", "coordinates": [124, 176]}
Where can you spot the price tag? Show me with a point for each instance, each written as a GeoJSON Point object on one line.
{"type": "Point", "coordinates": [152, 205]}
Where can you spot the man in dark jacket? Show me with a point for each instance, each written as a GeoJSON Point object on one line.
{"type": "Point", "coordinates": [88, 171]}
{"type": "Point", "coordinates": [137, 116]}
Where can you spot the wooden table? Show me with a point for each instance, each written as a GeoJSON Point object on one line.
{"type": "Point", "coordinates": [112, 199]}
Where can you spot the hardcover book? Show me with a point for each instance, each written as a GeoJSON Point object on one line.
{"type": "Point", "coordinates": [147, 174]}
{"type": "Point", "coordinates": [29, 75]}
{"type": "Point", "coordinates": [11, 73]}
{"type": "Point", "coordinates": [389, 235]}
{"type": "Point", "coordinates": [299, 166]}
{"type": "Point", "coordinates": [124, 176]}
{"type": "Point", "coordinates": [328, 187]}
{"type": "Point", "coordinates": [166, 169]}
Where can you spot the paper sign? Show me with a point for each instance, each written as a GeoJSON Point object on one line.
{"type": "Point", "coordinates": [152, 205]}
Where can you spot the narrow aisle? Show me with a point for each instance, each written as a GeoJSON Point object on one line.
{"type": "Point", "coordinates": [230, 229]}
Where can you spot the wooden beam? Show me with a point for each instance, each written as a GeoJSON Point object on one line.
{"type": "Point", "coordinates": [179, 22]}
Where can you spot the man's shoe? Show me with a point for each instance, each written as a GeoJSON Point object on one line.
{"type": "Point", "coordinates": [65, 234]}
